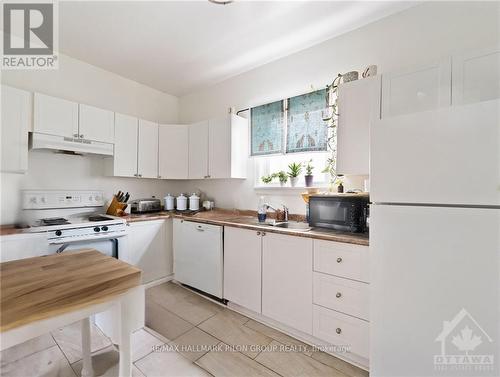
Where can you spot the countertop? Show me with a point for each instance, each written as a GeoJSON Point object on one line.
{"type": "Point", "coordinates": [247, 220]}
{"type": "Point", "coordinates": [37, 288]}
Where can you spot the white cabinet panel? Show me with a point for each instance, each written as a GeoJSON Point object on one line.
{"type": "Point", "coordinates": [149, 248]}
{"type": "Point", "coordinates": [96, 124]}
{"type": "Point", "coordinates": [416, 89]}
{"type": "Point", "coordinates": [422, 158]}
{"type": "Point", "coordinates": [198, 150]}
{"type": "Point", "coordinates": [20, 246]}
{"type": "Point", "coordinates": [173, 151]}
{"type": "Point", "coordinates": [476, 76]}
{"type": "Point", "coordinates": [147, 156]}
{"type": "Point", "coordinates": [219, 148]}
{"type": "Point", "coordinates": [340, 329]}
{"type": "Point", "coordinates": [358, 103]}
{"type": "Point", "coordinates": [342, 259]}
{"type": "Point", "coordinates": [16, 119]}
{"type": "Point", "coordinates": [125, 154]}
{"type": "Point", "coordinates": [242, 267]}
{"type": "Point", "coordinates": [343, 295]}
{"type": "Point", "coordinates": [55, 116]}
{"type": "Point", "coordinates": [287, 280]}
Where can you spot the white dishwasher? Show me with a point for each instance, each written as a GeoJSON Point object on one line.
{"type": "Point", "coordinates": [198, 256]}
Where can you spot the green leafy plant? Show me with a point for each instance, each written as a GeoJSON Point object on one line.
{"type": "Point", "coordinates": [294, 169]}
{"type": "Point", "coordinates": [282, 176]}
{"type": "Point", "coordinates": [309, 167]}
{"type": "Point", "coordinates": [332, 119]}
{"type": "Point", "coordinates": [267, 178]}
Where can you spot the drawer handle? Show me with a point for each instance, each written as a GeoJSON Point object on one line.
{"type": "Point", "coordinates": [258, 233]}
{"type": "Point", "coordinates": [339, 260]}
{"type": "Point", "coordinates": [200, 228]}
{"type": "Point", "coordinates": [338, 330]}
{"type": "Point", "coordinates": [338, 295]}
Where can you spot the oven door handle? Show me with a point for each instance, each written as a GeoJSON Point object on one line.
{"type": "Point", "coordinates": [90, 239]}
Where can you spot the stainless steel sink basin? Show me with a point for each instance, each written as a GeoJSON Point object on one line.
{"type": "Point", "coordinates": [293, 225]}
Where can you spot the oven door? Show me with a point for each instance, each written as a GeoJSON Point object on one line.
{"type": "Point", "coordinates": [330, 213]}
{"type": "Point", "coordinates": [108, 246]}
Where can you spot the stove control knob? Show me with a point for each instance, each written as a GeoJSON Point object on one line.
{"type": "Point", "coordinates": [58, 233]}
{"type": "Point", "coordinates": [104, 228]}
{"type": "Point", "coordinates": [97, 229]}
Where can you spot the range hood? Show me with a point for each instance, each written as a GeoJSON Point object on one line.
{"type": "Point", "coordinates": [68, 144]}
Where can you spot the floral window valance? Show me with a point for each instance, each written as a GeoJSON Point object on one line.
{"type": "Point", "coordinates": [267, 128]}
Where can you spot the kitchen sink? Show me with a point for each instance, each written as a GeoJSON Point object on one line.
{"type": "Point", "coordinates": [293, 225]}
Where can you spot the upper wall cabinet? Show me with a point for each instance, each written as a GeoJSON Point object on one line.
{"type": "Point", "coordinates": [218, 148]}
{"type": "Point", "coordinates": [147, 149]}
{"type": "Point", "coordinates": [173, 151]}
{"type": "Point", "coordinates": [358, 103]}
{"type": "Point", "coordinates": [124, 162]}
{"type": "Point", "coordinates": [416, 89]}
{"type": "Point", "coordinates": [96, 124]}
{"type": "Point", "coordinates": [55, 116]}
{"type": "Point", "coordinates": [16, 118]}
{"type": "Point", "coordinates": [476, 76]}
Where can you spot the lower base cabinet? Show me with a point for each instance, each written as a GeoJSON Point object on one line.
{"type": "Point", "coordinates": [20, 246]}
{"type": "Point", "coordinates": [149, 247]}
{"type": "Point", "coordinates": [287, 280]}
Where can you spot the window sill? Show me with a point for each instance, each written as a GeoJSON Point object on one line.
{"type": "Point", "coordinates": [289, 189]}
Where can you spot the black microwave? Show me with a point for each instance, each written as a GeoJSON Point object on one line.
{"type": "Point", "coordinates": [347, 212]}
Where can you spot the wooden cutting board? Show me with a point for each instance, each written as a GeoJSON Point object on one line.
{"type": "Point", "coordinates": [42, 287]}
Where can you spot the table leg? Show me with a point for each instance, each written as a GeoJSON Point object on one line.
{"type": "Point", "coordinates": [125, 365]}
{"type": "Point", "coordinates": [87, 370]}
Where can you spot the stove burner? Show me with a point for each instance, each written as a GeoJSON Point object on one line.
{"type": "Point", "coordinates": [99, 218]}
{"type": "Point", "coordinates": [55, 221]}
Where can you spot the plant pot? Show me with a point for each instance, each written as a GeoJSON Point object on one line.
{"type": "Point", "coordinates": [293, 181]}
{"type": "Point", "coordinates": [282, 184]}
{"type": "Point", "coordinates": [309, 180]}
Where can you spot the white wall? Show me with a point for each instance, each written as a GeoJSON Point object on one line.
{"type": "Point", "coordinates": [84, 83]}
{"type": "Point", "coordinates": [417, 35]}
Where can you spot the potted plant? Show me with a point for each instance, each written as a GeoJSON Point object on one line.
{"type": "Point", "coordinates": [267, 178]}
{"type": "Point", "coordinates": [294, 170]}
{"type": "Point", "coordinates": [309, 177]}
{"type": "Point", "coordinates": [283, 177]}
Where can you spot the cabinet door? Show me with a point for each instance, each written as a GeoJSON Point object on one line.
{"type": "Point", "coordinates": [198, 150]}
{"type": "Point", "coordinates": [358, 102]}
{"type": "Point", "coordinates": [96, 124]}
{"type": "Point", "coordinates": [125, 154]}
{"type": "Point", "coordinates": [148, 248]}
{"type": "Point", "coordinates": [287, 280]}
{"type": "Point", "coordinates": [242, 267]}
{"type": "Point", "coordinates": [476, 76]}
{"type": "Point", "coordinates": [55, 116]}
{"type": "Point", "coordinates": [147, 156]}
{"type": "Point", "coordinates": [16, 116]}
{"type": "Point", "coordinates": [219, 148]}
{"type": "Point", "coordinates": [173, 151]}
{"type": "Point", "coordinates": [417, 89]}
{"type": "Point", "coordinates": [20, 246]}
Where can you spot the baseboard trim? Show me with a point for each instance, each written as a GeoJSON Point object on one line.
{"type": "Point", "coordinates": [158, 281]}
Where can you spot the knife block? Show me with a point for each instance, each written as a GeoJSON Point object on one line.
{"type": "Point", "coordinates": [116, 208]}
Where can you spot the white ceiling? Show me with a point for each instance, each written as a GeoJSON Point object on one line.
{"type": "Point", "coordinates": [180, 46]}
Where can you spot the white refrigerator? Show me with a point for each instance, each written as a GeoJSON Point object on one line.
{"type": "Point", "coordinates": [435, 243]}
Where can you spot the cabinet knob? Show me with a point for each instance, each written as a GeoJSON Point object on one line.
{"type": "Point", "coordinates": [338, 295]}
{"type": "Point", "coordinates": [81, 136]}
{"type": "Point", "coordinates": [159, 176]}
{"type": "Point", "coordinates": [139, 175]}
{"type": "Point", "coordinates": [263, 233]}
{"type": "Point", "coordinates": [258, 233]}
{"type": "Point", "coordinates": [75, 135]}
{"type": "Point", "coordinates": [339, 260]}
{"type": "Point", "coordinates": [338, 330]}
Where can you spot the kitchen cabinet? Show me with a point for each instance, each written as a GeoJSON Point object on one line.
{"type": "Point", "coordinates": [124, 161]}
{"type": "Point", "coordinates": [16, 121]}
{"type": "Point", "coordinates": [287, 280]}
{"type": "Point", "coordinates": [218, 148]}
{"type": "Point", "coordinates": [198, 256]}
{"type": "Point", "coordinates": [55, 116]}
{"type": "Point", "coordinates": [358, 103]}
{"type": "Point", "coordinates": [96, 124]}
{"type": "Point", "coordinates": [24, 245]}
{"type": "Point", "coordinates": [147, 149]}
{"type": "Point", "coordinates": [149, 247]}
{"type": "Point", "coordinates": [415, 89]}
{"type": "Point", "coordinates": [476, 76]}
{"type": "Point", "coordinates": [198, 150]}
{"type": "Point", "coordinates": [242, 267]}
{"type": "Point", "coordinates": [173, 151]}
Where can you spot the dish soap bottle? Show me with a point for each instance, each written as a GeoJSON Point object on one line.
{"type": "Point", "coordinates": [262, 210]}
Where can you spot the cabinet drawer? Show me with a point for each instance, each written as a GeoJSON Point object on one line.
{"type": "Point", "coordinates": [341, 329]}
{"type": "Point", "coordinates": [342, 259]}
{"type": "Point", "coordinates": [344, 295]}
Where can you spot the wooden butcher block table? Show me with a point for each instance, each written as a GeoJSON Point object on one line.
{"type": "Point", "coordinates": [40, 294]}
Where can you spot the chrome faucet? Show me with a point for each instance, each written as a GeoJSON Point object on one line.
{"type": "Point", "coordinates": [285, 211]}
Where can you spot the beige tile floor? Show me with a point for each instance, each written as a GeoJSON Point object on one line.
{"type": "Point", "coordinates": [186, 335]}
